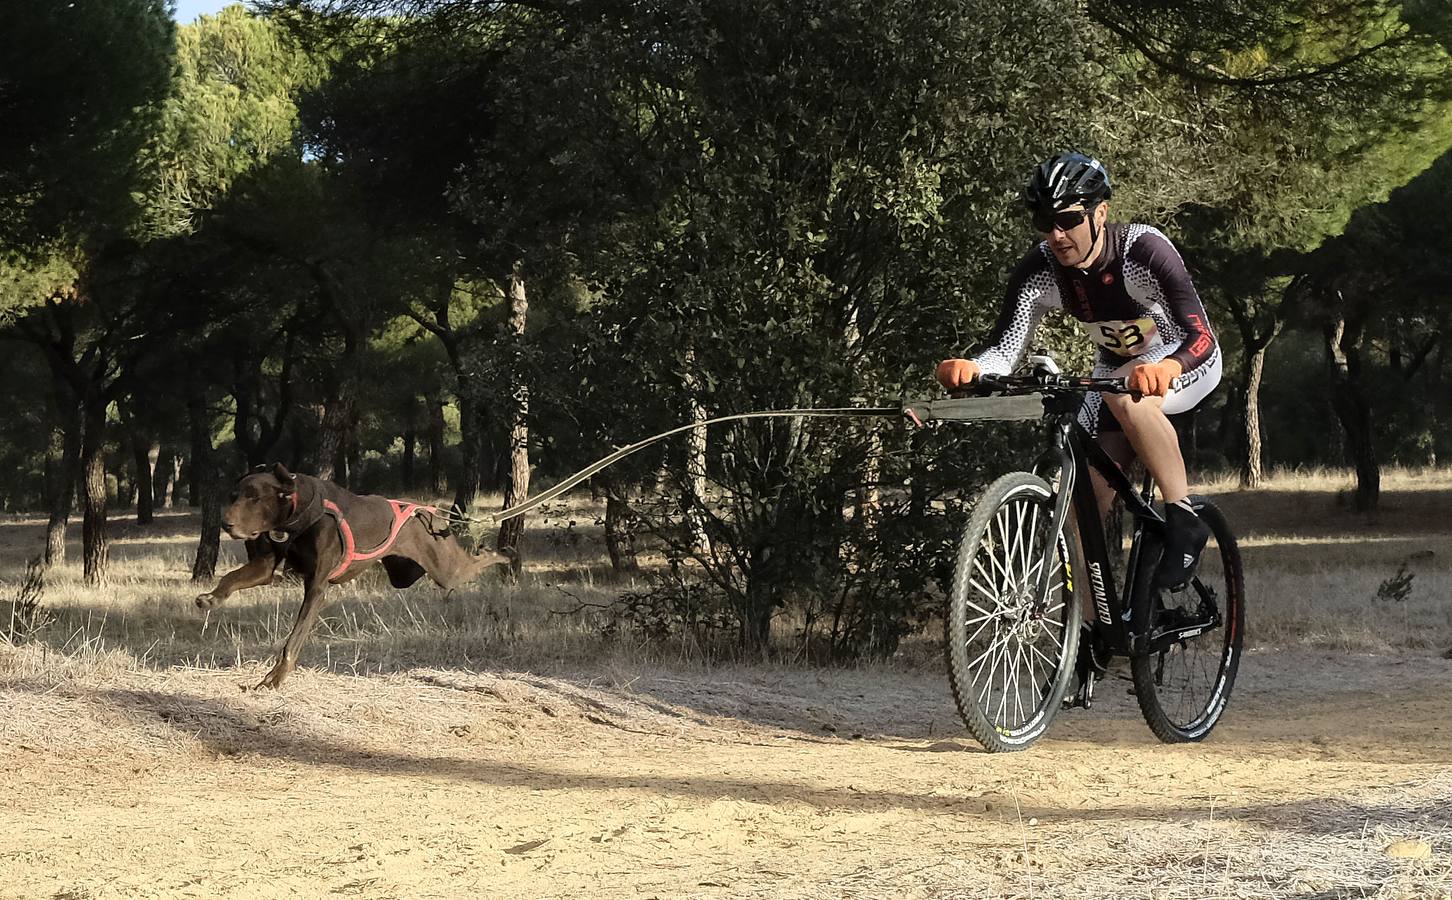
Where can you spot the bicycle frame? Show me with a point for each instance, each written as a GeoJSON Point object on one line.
{"type": "Point", "coordinates": [1075, 451]}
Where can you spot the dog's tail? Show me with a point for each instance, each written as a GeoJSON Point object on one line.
{"type": "Point", "coordinates": [509, 553]}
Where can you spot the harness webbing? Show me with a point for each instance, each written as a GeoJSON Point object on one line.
{"type": "Point", "coordinates": [402, 512]}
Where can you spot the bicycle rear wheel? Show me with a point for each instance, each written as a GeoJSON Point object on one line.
{"type": "Point", "coordinates": [1183, 685]}
{"type": "Point", "coordinates": [1010, 657]}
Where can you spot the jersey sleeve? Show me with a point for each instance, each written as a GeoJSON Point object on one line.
{"type": "Point", "coordinates": [1032, 291]}
{"type": "Point", "coordinates": [1154, 252]}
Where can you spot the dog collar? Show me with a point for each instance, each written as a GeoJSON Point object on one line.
{"type": "Point", "coordinates": [285, 532]}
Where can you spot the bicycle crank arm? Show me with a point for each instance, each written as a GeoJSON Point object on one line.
{"type": "Point", "coordinates": [1163, 639]}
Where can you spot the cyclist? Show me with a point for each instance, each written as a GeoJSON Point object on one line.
{"type": "Point", "coordinates": [1128, 287]}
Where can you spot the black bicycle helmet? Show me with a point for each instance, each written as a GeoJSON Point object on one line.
{"type": "Point", "coordinates": [1064, 180]}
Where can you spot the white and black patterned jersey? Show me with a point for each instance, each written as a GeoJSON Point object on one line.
{"type": "Point", "coordinates": [1136, 301]}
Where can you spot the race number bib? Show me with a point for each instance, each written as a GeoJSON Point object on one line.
{"type": "Point", "coordinates": [1127, 337]}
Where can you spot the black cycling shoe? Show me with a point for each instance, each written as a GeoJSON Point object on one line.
{"type": "Point", "coordinates": [1185, 537]}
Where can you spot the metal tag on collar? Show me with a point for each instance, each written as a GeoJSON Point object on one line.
{"type": "Point", "coordinates": [278, 536]}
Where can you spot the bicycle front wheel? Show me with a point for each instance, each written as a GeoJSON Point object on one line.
{"type": "Point", "coordinates": [1010, 656]}
{"type": "Point", "coordinates": [1183, 685]}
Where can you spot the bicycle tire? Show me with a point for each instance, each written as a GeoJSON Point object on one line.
{"type": "Point", "coordinates": [1171, 715]}
{"type": "Point", "coordinates": [1045, 640]}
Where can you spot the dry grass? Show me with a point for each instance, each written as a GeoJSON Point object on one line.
{"type": "Point", "coordinates": [1314, 566]}
{"type": "Point", "coordinates": [425, 720]}
{"type": "Point", "coordinates": [146, 610]}
{"type": "Point", "coordinates": [1313, 573]}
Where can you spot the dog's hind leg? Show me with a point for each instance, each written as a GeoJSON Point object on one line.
{"type": "Point", "coordinates": [448, 564]}
{"type": "Point", "coordinates": [402, 571]}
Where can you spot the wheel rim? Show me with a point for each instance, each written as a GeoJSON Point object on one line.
{"type": "Point", "coordinates": [1190, 676]}
{"type": "Point", "coordinates": [1013, 646]}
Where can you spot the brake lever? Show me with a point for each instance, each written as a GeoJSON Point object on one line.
{"type": "Point", "coordinates": [981, 387]}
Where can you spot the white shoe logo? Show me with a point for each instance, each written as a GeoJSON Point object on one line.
{"type": "Point", "coordinates": [1189, 560]}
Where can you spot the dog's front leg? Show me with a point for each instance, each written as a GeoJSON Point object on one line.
{"type": "Point", "coordinates": [307, 615]}
{"type": "Point", "coordinates": [255, 572]}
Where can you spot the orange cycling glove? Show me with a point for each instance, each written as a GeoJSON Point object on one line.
{"type": "Point", "coordinates": [1154, 379]}
{"type": "Point", "coordinates": [957, 373]}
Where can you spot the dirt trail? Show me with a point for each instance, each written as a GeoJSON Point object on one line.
{"type": "Point", "coordinates": [737, 783]}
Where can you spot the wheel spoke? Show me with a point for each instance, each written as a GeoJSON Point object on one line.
{"type": "Point", "coordinates": [988, 652]}
{"type": "Point", "coordinates": [1009, 614]}
{"type": "Point", "coordinates": [1191, 689]}
{"type": "Point", "coordinates": [1020, 675]}
{"type": "Point", "coordinates": [1032, 564]}
{"type": "Point", "coordinates": [995, 550]}
{"type": "Point", "coordinates": [995, 597]}
{"type": "Point", "coordinates": [1006, 563]}
{"type": "Point", "coordinates": [1036, 681]}
{"type": "Point", "coordinates": [1052, 664]}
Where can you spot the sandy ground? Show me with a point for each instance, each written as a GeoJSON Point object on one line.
{"type": "Point", "coordinates": [721, 783]}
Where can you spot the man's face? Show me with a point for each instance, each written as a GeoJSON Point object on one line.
{"type": "Point", "coordinates": [1070, 236]}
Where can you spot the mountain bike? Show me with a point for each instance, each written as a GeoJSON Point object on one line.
{"type": "Point", "coordinates": [1034, 558]}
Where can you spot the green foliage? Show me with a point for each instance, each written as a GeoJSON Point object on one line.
{"type": "Point", "coordinates": [77, 102]}
{"type": "Point", "coordinates": [232, 108]}
{"type": "Point", "coordinates": [716, 207]}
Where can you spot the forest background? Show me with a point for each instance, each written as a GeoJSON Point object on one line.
{"type": "Point", "coordinates": [460, 249]}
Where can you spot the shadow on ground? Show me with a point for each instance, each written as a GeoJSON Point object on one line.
{"type": "Point", "coordinates": [229, 730]}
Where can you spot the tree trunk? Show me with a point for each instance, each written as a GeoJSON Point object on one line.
{"type": "Point", "coordinates": [145, 452]}
{"type": "Point", "coordinates": [470, 451]}
{"type": "Point", "coordinates": [436, 445]}
{"type": "Point", "coordinates": [696, 446]}
{"type": "Point", "coordinates": [516, 485]}
{"type": "Point", "coordinates": [760, 601]}
{"type": "Point", "coordinates": [93, 495]}
{"type": "Point", "coordinates": [1256, 335]}
{"type": "Point", "coordinates": [1251, 470]}
{"type": "Point", "coordinates": [869, 495]}
{"type": "Point", "coordinates": [353, 456]}
{"type": "Point", "coordinates": [619, 537]}
{"type": "Point", "coordinates": [406, 475]}
{"type": "Point", "coordinates": [333, 433]}
{"type": "Point", "coordinates": [166, 490]}
{"type": "Point", "coordinates": [1343, 352]}
{"type": "Point", "coordinates": [338, 472]}
{"type": "Point", "coordinates": [203, 471]}
{"type": "Point", "coordinates": [194, 482]}
{"type": "Point", "coordinates": [493, 460]}
{"type": "Point", "coordinates": [63, 486]}
{"type": "Point", "coordinates": [242, 416]}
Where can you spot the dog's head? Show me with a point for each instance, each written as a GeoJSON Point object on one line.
{"type": "Point", "coordinates": [260, 502]}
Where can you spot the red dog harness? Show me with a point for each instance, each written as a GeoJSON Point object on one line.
{"type": "Point", "coordinates": [402, 512]}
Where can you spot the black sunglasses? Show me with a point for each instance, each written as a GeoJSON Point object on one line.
{"type": "Point", "coordinates": [1064, 221]}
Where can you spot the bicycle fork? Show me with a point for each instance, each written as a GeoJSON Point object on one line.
{"type": "Point", "coordinates": [1063, 485]}
{"type": "Point", "coordinates": [1063, 496]}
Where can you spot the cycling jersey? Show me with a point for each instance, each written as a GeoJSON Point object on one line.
{"type": "Point", "coordinates": [1136, 302]}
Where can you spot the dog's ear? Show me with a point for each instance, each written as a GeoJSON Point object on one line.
{"type": "Point", "coordinates": [284, 478]}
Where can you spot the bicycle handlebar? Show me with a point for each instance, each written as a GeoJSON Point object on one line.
{"type": "Point", "coordinates": [1044, 383]}
{"type": "Point", "coordinates": [1010, 398]}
